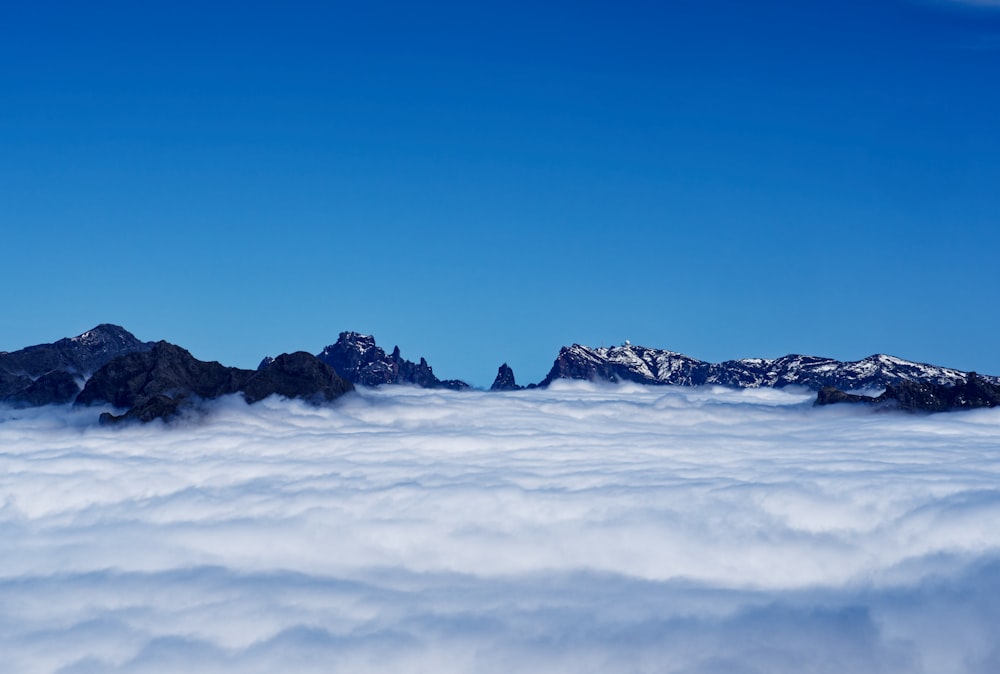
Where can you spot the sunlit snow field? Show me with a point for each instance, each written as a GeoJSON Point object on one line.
{"type": "Point", "coordinates": [574, 529]}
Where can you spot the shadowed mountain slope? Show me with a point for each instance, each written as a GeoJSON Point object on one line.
{"type": "Point", "coordinates": [164, 381]}
{"type": "Point", "coordinates": [49, 373]}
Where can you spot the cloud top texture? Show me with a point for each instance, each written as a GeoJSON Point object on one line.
{"type": "Point", "coordinates": [575, 529]}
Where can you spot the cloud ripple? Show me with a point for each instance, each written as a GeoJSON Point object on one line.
{"type": "Point", "coordinates": [575, 529]}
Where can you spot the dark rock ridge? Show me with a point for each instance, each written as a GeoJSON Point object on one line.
{"type": "Point", "coordinates": [162, 382]}
{"type": "Point", "coordinates": [296, 375]}
{"type": "Point", "coordinates": [505, 380]}
{"type": "Point", "coordinates": [973, 392]}
{"type": "Point", "coordinates": [159, 380]}
{"type": "Point", "coordinates": [358, 359]}
{"type": "Point", "coordinates": [56, 387]}
{"type": "Point", "coordinates": [167, 369]}
{"type": "Point", "coordinates": [151, 409]}
{"type": "Point", "coordinates": [655, 366]}
{"type": "Point", "coordinates": [48, 373]}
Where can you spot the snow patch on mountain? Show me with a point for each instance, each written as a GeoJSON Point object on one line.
{"type": "Point", "coordinates": [646, 365]}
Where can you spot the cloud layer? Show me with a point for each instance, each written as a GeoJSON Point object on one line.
{"type": "Point", "coordinates": [575, 529]}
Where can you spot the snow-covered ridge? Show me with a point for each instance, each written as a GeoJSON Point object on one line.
{"type": "Point", "coordinates": [646, 365]}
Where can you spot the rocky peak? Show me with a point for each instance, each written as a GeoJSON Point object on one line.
{"type": "Point", "coordinates": [357, 358]}
{"type": "Point", "coordinates": [166, 369]}
{"type": "Point", "coordinates": [80, 355]}
{"type": "Point", "coordinates": [359, 342]}
{"type": "Point", "coordinates": [627, 363]}
{"type": "Point", "coordinates": [47, 373]}
{"type": "Point", "coordinates": [657, 366]}
{"type": "Point", "coordinates": [505, 380]}
{"type": "Point", "coordinates": [105, 333]}
{"type": "Point", "coordinates": [295, 375]}
{"type": "Point", "coordinates": [162, 382]}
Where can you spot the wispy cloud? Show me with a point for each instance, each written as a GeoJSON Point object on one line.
{"type": "Point", "coordinates": [579, 529]}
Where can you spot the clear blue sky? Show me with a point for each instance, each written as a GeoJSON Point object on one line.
{"type": "Point", "coordinates": [484, 182]}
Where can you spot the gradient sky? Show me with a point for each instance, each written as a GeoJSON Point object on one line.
{"type": "Point", "coordinates": [485, 182]}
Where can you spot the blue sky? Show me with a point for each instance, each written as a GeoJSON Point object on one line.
{"type": "Point", "coordinates": [485, 182]}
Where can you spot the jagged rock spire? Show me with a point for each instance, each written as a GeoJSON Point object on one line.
{"type": "Point", "coordinates": [505, 380]}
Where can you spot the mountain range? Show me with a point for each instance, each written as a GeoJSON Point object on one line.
{"type": "Point", "coordinates": [55, 373]}
{"type": "Point", "coordinates": [150, 380]}
{"type": "Point", "coordinates": [644, 365]}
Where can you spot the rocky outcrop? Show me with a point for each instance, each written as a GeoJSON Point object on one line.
{"type": "Point", "coordinates": [80, 355]}
{"type": "Point", "coordinates": [627, 363]}
{"type": "Point", "coordinates": [828, 395]}
{"type": "Point", "coordinates": [505, 380]}
{"type": "Point", "coordinates": [358, 359]}
{"type": "Point", "coordinates": [52, 388]}
{"type": "Point", "coordinates": [656, 366]}
{"type": "Point", "coordinates": [296, 375]}
{"type": "Point", "coordinates": [47, 373]}
{"type": "Point", "coordinates": [157, 407]}
{"type": "Point", "coordinates": [167, 369]}
{"type": "Point", "coordinates": [974, 392]}
{"type": "Point", "coordinates": [163, 382]}
{"type": "Point", "coordinates": [12, 384]}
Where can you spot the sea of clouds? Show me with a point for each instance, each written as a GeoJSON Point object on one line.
{"type": "Point", "coordinates": [575, 529]}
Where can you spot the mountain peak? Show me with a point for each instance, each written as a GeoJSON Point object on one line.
{"type": "Point", "coordinates": [357, 358]}
{"type": "Point", "coordinates": [658, 366]}
{"type": "Point", "coordinates": [505, 380]}
{"type": "Point", "coordinates": [104, 331]}
{"type": "Point", "coordinates": [74, 357]}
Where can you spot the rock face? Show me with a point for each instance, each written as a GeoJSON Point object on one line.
{"type": "Point", "coordinates": [296, 375]}
{"type": "Point", "coordinates": [358, 359]}
{"type": "Point", "coordinates": [627, 363]}
{"type": "Point", "coordinates": [47, 373]}
{"type": "Point", "coordinates": [12, 384]}
{"type": "Point", "coordinates": [828, 395]}
{"type": "Point", "coordinates": [167, 369]}
{"type": "Point", "coordinates": [971, 393]}
{"type": "Point", "coordinates": [157, 407]}
{"type": "Point", "coordinates": [654, 366]}
{"type": "Point", "coordinates": [162, 382]}
{"type": "Point", "coordinates": [56, 387]}
{"type": "Point", "coordinates": [82, 354]}
{"type": "Point", "coordinates": [505, 380]}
